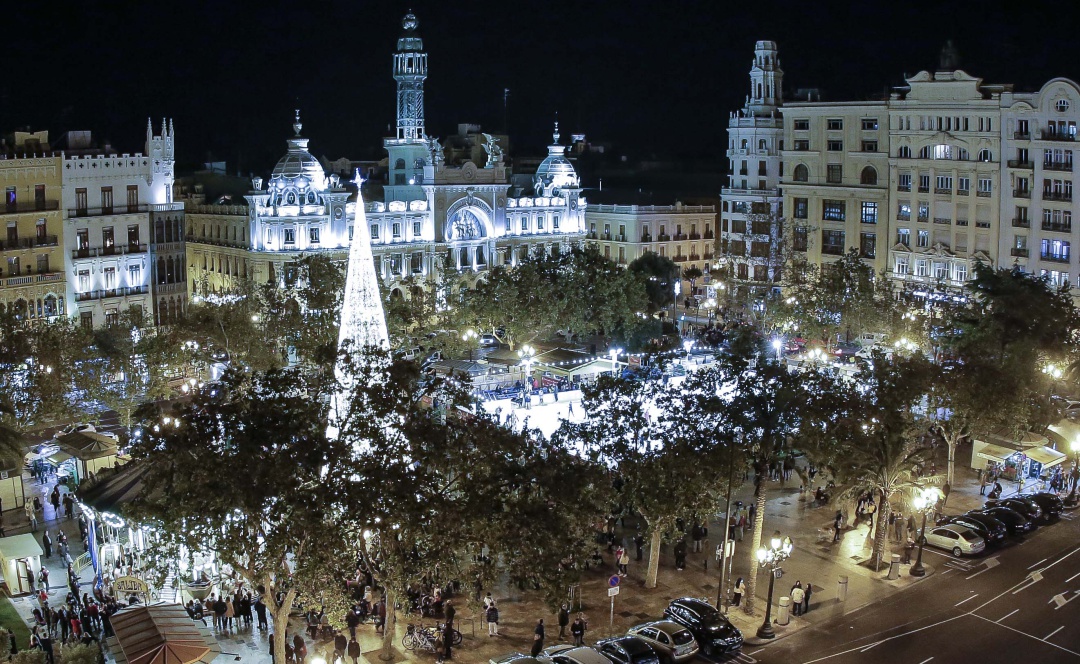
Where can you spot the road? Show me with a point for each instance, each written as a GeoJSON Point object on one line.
{"type": "Point", "coordinates": [1014, 601]}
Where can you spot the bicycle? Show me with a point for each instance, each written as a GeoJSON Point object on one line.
{"type": "Point", "coordinates": [418, 638]}
{"type": "Point", "coordinates": [439, 627]}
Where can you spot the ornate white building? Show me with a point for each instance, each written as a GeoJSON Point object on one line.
{"type": "Point", "coordinates": [436, 213]}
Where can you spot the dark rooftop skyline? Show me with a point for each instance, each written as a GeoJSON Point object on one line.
{"type": "Point", "coordinates": [654, 78]}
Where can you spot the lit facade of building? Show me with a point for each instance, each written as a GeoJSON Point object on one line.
{"type": "Point", "coordinates": [31, 249]}
{"type": "Point", "coordinates": [751, 207]}
{"type": "Point", "coordinates": [111, 204]}
{"type": "Point", "coordinates": [442, 208]}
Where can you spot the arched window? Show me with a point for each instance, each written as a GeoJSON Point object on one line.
{"type": "Point", "coordinates": [290, 198]}
{"type": "Point", "coordinates": [924, 152]}
{"type": "Point", "coordinates": [962, 154]}
{"type": "Point", "coordinates": [868, 176]}
{"type": "Point", "coordinates": [399, 164]}
{"type": "Point", "coordinates": [761, 144]}
{"type": "Point", "coordinates": [986, 155]}
{"type": "Point", "coordinates": [743, 144]}
{"type": "Point", "coordinates": [904, 152]}
{"type": "Point", "coordinates": [161, 269]}
{"type": "Point", "coordinates": [311, 198]}
{"type": "Point", "coordinates": [801, 173]}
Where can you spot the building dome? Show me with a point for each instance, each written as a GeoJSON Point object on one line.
{"type": "Point", "coordinates": [556, 172]}
{"type": "Point", "coordinates": [298, 178]}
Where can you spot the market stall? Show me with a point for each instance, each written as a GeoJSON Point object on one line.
{"type": "Point", "coordinates": [20, 560]}
{"type": "Point", "coordinates": [1012, 458]}
{"type": "Point", "coordinates": [160, 634]}
{"type": "Point", "coordinates": [83, 454]}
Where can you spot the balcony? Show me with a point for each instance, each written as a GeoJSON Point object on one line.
{"type": "Point", "coordinates": [1021, 223]}
{"type": "Point", "coordinates": [924, 190]}
{"type": "Point", "coordinates": [115, 250]}
{"type": "Point", "coordinates": [1065, 196]}
{"type": "Point", "coordinates": [1020, 193]}
{"type": "Point", "coordinates": [1016, 163]}
{"type": "Point", "coordinates": [694, 257]}
{"type": "Point", "coordinates": [903, 217]}
{"type": "Point", "coordinates": [20, 208]}
{"type": "Point", "coordinates": [695, 236]}
{"type": "Point", "coordinates": [679, 259]}
{"type": "Point", "coordinates": [983, 194]}
{"type": "Point", "coordinates": [946, 192]}
{"type": "Point", "coordinates": [114, 292]}
{"type": "Point", "coordinates": [833, 250]}
{"type": "Point", "coordinates": [1055, 258]}
{"type": "Point", "coordinates": [106, 211]}
{"type": "Point", "coordinates": [709, 235]}
{"type": "Point", "coordinates": [963, 192]}
{"type": "Point", "coordinates": [663, 238]}
{"type": "Point", "coordinates": [961, 222]}
{"type": "Point", "coordinates": [1022, 135]}
{"type": "Point", "coordinates": [680, 236]}
{"type": "Point", "coordinates": [1020, 252]}
{"type": "Point", "coordinates": [923, 219]}
{"type": "Point", "coordinates": [620, 238]}
{"type": "Point", "coordinates": [589, 236]}
{"type": "Point", "coordinates": [1057, 166]}
{"type": "Point", "coordinates": [903, 187]}
{"type": "Point", "coordinates": [28, 242]}
{"type": "Point", "coordinates": [942, 220]}
{"type": "Point", "coordinates": [1057, 228]}
{"type": "Point", "coordinates": [646, 238]}
{"type": "Point", "coordinates": [1047, 135]}
{"type": "Point", "coordinates": [38, 278]}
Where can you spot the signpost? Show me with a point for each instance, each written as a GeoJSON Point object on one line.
{"type": "Point", "coordinates": [613, 590]}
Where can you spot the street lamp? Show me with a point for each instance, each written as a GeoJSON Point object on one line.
{"type": "Point", "coordinates": [526, 354]}
{"type": "Point", "coordinates": [779, 550]}
{"type": "Point", "coordinates": [777, 344]}
{"type": "Point", "coordinates": [1071, 499]}
{"type": "Point", "coordinates": [924, 502]}
{"type": "Point", "coordinates": [614, 353]}
{"type": "Point", "coordinates": [687, 345]}
{"type": "Point", "coordinates": [468, 337]}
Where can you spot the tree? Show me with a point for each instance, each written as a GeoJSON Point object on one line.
{"type": "Point", "coordinates": [664, 475]}
{"type": "Point", "coordinates": [239, 326]}
{"type": "Point", "coordinates": [11, 439]}
{"type": "Point", "coordinates": [412, 315]}
{"type": "Point", "coordinates": [272, 426]}
{"type": "Point", "coordinates": [659, 273]}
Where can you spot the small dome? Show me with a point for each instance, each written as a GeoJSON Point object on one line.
{"type": "Point", "coordinates": [556, 172]}
{"type": "Point", "coordinates": [298, 178]}
{"type": "Point", "coordinates": [409, 22]}
{"type": "Point", "coordinates": [410, 40]}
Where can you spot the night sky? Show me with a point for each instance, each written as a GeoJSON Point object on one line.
{"type": "Point", "coordinates": [652, 78]}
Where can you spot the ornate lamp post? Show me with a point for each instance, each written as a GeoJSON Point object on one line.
{"type": "Point", "coordinates": [468, 337]}
{"type": "Point", "coordinates": [526, 354]}
{"type": "Point", "coordinates": [614, 353]}
{"type": "Point", "coordinates": [777, 344]}
{"type": "Point", "coordinates": [779, 550]}
{"type": "Point", "coordinates": [924, 502]}
{"type": "Point", "coordinates": [687, 345]}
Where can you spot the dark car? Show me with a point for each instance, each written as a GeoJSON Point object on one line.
{"type": "Point", "coordinates": [1051, 504]}
{"type": "Point", "coordinates": [1025, 506]}
{"type": "Point", "coordinates": [992, 534]}
{"type": "Point", "coordinates": [989, 522]}
{"type": "Point", "coordinates": [714, 634]}
{"type": "Point", "coordinates": [1015, 523]}
{"type": "Point", "coordinates": [627, 650]}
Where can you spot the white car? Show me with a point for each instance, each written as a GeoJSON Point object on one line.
{"type": "Point", "coordinates": [76, 428]}
{"type": "Point", "coordinates": [960, 540]}
{"type": "Point", "coordinates": [569, 654]}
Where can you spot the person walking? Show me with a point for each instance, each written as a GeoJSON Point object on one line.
{"type": "Point", "coordinates": [260, 610]}
{"type": "Point", "coordinates": [448, 641]}
{"type": "Point", "coordinates": [43, 577]}
{"type": "Point", "coordinates": [624, 560]}
{"type": "Point", "coordinates": [807, 591]}
{"type": "Point", "coordinates": [449, 611]}
{"type": "Point", "coordinates": [577, 630]}
{"type": "Point", "coordinates": [340, 645]}
{"type": "Point", "coordinates": [564, 620]}
{"type": "Point", "coordinates": [299, 648]}
{"type": "Point", "coordinates": [797, 597]}
{"type": "Point", "coordinates": [54, 499]}
{"type": "Point", "coordinates": [738, 592]}
{"type": "Point", "coordinates": [354, 650]}
{"type": "Point", "coordinates": [492, 617]}
{"type": "Point", "coordinates": [538, 638]}
{"type": "Point", "coordinates": [838, 525]}
{"type": "Point", "coordinates": [31, 516]}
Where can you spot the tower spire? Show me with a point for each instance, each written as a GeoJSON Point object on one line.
{"type": "Point", "coordinates": [297, 125]}
{"type": "Point", "coordinates": [410, 71]}
{"type": "Point", "coordinates": [555, 135]}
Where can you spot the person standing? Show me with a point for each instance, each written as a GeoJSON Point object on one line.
{"type": "Point", "coordinates": [31, 516]}
{"type": "Point", "coordinates": [260, 610]}
{"type": "Point", "coordinates": [564, 620]}
{"type": "Point", "coordinates": [538, 638]}
{"type": "Point", "coordinates": [740, 590]}
{"type": "Point", "coordinates": [43, 576]}
{"type": "Point", "coordinates": [449, 611]}
{"type": "Point", "coordinates": [45, 642]}
{"type": "Point", "coordinates": [808, 590]}
{"type": "Point", "coordinates": [624, 560]}
{"type": "Point", "coordinates": [639, 542]}
{"type": "Point", "coordinates": [578, 629]}
{"type": "Point", "coordinates": [797, 597]}
{"type": "Point", "coordinates": [46, 543]}
{"type": "Point", "coordinates": [680, 554]}
{"type": "Point", "coordinates": [448, 640]}
{"type": "Point", "coordinates": [492, 618]}
{"type": "Point", "coordinates": [354, 650]}
{"type": "Point", "coordinates": [838, 525]}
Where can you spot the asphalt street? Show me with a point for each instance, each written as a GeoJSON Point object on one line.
{"type": "Point", "coordinates": [1016, 601]}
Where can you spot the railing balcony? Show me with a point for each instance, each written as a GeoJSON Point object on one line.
{"type": "Point", "coordinates": [112, 292]}
{"type": "Point", "coordinates": [709, 235]}
{"type": "Point", "coordinates": [833, 250]}
{"type": "Point", "coordinates": [903, 217]}
{"type": "Point", "coordinates": [1021, 223]}
{"type": "Point", "coordinates": [983, 194]}
{"type": "Point", "coordinates": [867, 254]}
{"type": "Point", "coordinates": [1057, 196]}
{"type": "Point", "coordinates": [1057, 166]}
{"type": "Point", "coordinates": [30, 206]}
{"type": "Point", "coordinates": [963, 192]}
{"type": "Point", "coordinates": [695, 257]}
{"type": "Point", "coordinates": [679, 259]}
{"type": "Point", "coordinates": [942, 220]}
{"type": "Point", "coordinates": [680, 236]}
{"type": "Point", "coordinates": [1021, 193]}
{"type": "Point", "coordinates": [1016, 163]}
{"type": "Point", "coordinates": [1057, 228]}
{"type": "Point", "coordinates": [663, 238]}
{"type": "Point", "coordinates": [28, 242]}
{"type": "Point", "coordinates": [1020, 252]}
{"type": "Point", "coordinates": [1046, 135]}
{"type": "Point", "coordinates": [961, 222]}
{"type": "Point", "coordinates": [708, 256]}
{"type": "Point", "coordinates": [1022, 135]}
{"type": "Point", "coordinates": [591, 235]}
{"type": "Point", "coordinates": [620, 238]}
{"type": "Point", "coordinates": [695, 236]}
{"type": "Point", "coordinates": [903, 187]}
{"type": "Point", "coordinates": [646, 238]}
{"type": "Point", "coordinates": [1055, 258]}
{"type": "Point", "coordinates": [924, 190]}
{"type": "Point", "coordinates": [939, 190]}
{"type": "Point", "coordinates": [104, 211]}
{"type": "Point", "coordinates": [114, 250]}
{"type": "Point", "coordinates": [923, 218]}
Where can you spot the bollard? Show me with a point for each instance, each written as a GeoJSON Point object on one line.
{"type": "Point", "coordinates": [894, 567]}
{"type": "Point", "coordinates": [783, 615]}
{"type": "Point", "coordinates": [841, 589]}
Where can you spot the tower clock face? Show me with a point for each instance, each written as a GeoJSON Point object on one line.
{"type": "Point", "coordinates": [338, 213]}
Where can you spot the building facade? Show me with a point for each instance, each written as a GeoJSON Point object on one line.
{"type": "Point", "coordinates": [751, 205]}
{"type": "Point", "coordinates": [111, 206]}
{"type": "Point", "coordinates": [446, 205]}
{"type": "Point", "coordinates": [32, 283]}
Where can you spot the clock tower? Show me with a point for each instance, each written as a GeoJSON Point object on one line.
{"type": "Point", "coordinates": [409, 149]}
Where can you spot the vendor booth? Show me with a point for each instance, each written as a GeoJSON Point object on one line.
{"type": "Point", "coordinates": [160, 634]}
{"type": "Point", "coordinates": [1012, 458]}
{"type": "Point", "coordinates": [20, 560]}
{"type": "Point", "coordinates": [83, 454]}
{"type": "Point", "coordinates": [12, 493]}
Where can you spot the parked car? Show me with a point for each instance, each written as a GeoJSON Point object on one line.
{"type": "Point", "coordinates": [409, 354]}
{"type": "Point", "coordinates": [714, 634]}
{"type": "Point", "coordinates": [1015, 523]}
{"type": "Point", "coordinates": [515, 658]}
{"type": "Point", "coordinates": [993, 533]}
{"type": "Point", "coordinates": [84, 427]}
{"type": "Point", "coordinates": [667, 638]}
{"type": "Point", "coordinates": [627, 650]}
{"type": "Point", "coordinates": [1052, 505]}
{"type": "Point", "coordinates": [488, 340]}
{"type": "Point", "coordinates": [1021, 504]}
{"type": "Point", "coordinates": [959, 540]}
{"type": "Point", "coordinates": [570, 654]}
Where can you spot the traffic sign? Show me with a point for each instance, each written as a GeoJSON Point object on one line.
{"type": "Point", "coordinates": [778, 572]}
{"type": "Point", "coordinates": [613, 591]}
{"type": "Point", "coordinates": [614, 581]}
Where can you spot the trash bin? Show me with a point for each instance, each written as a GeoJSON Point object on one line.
{"type": "Point", "coordinates": [841, 589]}
{"type": "Point", "coordinates": [894, 567]}
{"type": "Point", "coordinates": [783, 614]}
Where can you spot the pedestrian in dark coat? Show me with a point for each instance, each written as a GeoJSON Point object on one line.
{"type": "Point", "coordinates": [639, 542]}
{"type": "Point", "coordinates": [564, 620]}
{"type": "Point", "coordinates": [448, 641]}
{"type": "Point", "coordinates": [538, 638]}
{"type": "Point", "coordinates": [46, 543]}
{"type": "Point", "coordinates": [809, 590]}
{"type": "Point", "coordinates": [577, 630]}
{"type": "Point", "coordinates": [260, 610]}
{"type": "Point", "coordinates": [354, 650]}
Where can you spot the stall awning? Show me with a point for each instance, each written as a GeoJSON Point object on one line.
{"type": "Point", "coordinates": [58, 457]}
{"type": "Point", "coordinates": [1046, 456]}
{"type": "Point", "coordinates": [995, 452]}
{"type": "Point", "coordinates": [19, 546]}
{"type": "Point", "coordinates": [87, 445]}
{"type": "Point", "coordinates": [161, 634]}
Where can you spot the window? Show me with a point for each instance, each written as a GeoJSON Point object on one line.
{"type": "Point", "coordinates": [416, 229]}
{"type": "Point", "coordinates": [924, 211]}
{"type": "Point", "coordinates": [1061, 105]}
{"type": "Point", "coordinates": [869, 124]}
{"type": "Point", "coordinates": [923, 239]}
{"type": "Point", "coordinates": [540, 223]}
{"type": "Point", "coordinates": [869, 213]}
{"type": "Point", "coordinates": [902, 265]}
{"type": "Point", "coordinates": [108, 241]}
{"type": "Point", "coordinates": [396, 230]}
{"type": "Point", "coordinates": [374, 231]}
{"type": "Point", "coordinates": [800, 240]}
{"type": "Point", "coordinates": [86, 319]}
{"type": "Point", "coordinates": [524, 222]}
{"type": "Point", "coordinates": [835, 146]}
{"type": "Point", "coordinates": [834, 173]}
{"type": "Point", "coordinates": [832, 210]}
{"type": "Point", "coordinates": [290, 235]}
{"type": "Point", "coordinates": [801, 173]}
{"type": "Point", "coordinates": [1055, 250]}
{"type": "Point", "coordinates": [109, 278]}
{"type": "Point", "coordinates": [941, 270]}
{"type": "Point", "coordinates": [43, 263]}
{"type": "Point", "coordinates": [869, 146]}
{"type": "Point", "coordinates": [835, 124]}
{"type": "Point", "coordinates": [802, 145]}
{"type": "Point", "coordinates": [106, 200]}
{"type": "Point", "coordinates": [801, 125]}
{"type": "Point", "coordinates": [903, 182]}
{"type": "Point", "coordinates": [802, 208]}
{"type": "Point", "coordinates": [868, 176]}
{"type": "Point", "coordinates": [832, 242]}
{"type": "Point", "coordinates": [903, 212]}
{"type": "Point", "coordinates": [943, 152]}
{"type": "Point", "coordinates": [133, 236]}
{"type": "Point", "coordinates": [39, 197]}
{"type": "Point", "coordinates": [924, 152]}
{"type": "Point", "coordinates": [868, 245]}
{"type": "Point", "coordinates": [986, 155]}
{"type": "Point", "coordinates": [986, 185]}
{"type": "Point", "coordinates": [960, 272]}
{"type": "Point", "coordinates": [944, 184]}
{"type": "Point", "coordinates": [963, 185]}
{"type": "Point", "coordinates": [922, 269]}
{"type": "Point", "coordinates": [555, 222]}
{"type": "Point", "coordinates": [135, 275]}
{"type": "Point", "coordinates": [903, 236]}
{"type": "Point", "coordinates": [924, 183]}
{"type": "Point", "coordinates": [80, 201]}
{"type": "Point", "coordinates": [904, 152]}
{"type": "Point", "coordinates": [313, 235]}
{"type": "Point", "coordinates": [133, 198]}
